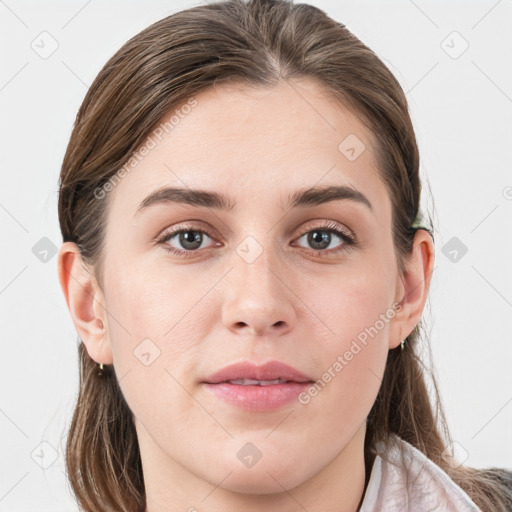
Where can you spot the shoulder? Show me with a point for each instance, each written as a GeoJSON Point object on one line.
{"type": "Point", "coordinates": [502, 478]}
{"type": "Point", "coordinates": [404, 479]}
{"type": "Point", "coordinates": [501, 475]}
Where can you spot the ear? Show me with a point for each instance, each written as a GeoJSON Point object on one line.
{"type": "Point", "coordinates": [412, 287]}
{"type": "Point", "coordinates": [85, 302]}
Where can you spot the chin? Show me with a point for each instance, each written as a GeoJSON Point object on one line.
{"type": "Point", "coordinates": [256, 483]}
{"type": "Point", "coordinates": [268, 478]}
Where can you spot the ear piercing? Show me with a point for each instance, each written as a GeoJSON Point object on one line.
{"type": "Point", "coordinates": [402, 343]}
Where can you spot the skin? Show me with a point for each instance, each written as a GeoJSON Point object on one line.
{"type": "Point", "coordinates": [215, 308]}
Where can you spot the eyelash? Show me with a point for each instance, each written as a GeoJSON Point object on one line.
{"type": "Point", "coordinates": [349, 241]}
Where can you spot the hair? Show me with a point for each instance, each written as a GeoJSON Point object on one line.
{"type": "Point", "coordinates": [160, 69]}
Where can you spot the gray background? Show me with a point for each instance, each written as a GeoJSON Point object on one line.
{"type": "Point", "coordinates": [461, 105]}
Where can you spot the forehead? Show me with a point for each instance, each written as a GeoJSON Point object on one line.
{"type": "Point", "coordinates": [256, 143]}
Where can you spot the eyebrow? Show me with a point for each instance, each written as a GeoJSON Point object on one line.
{"type": "Point", "coordinates": [209, 199]}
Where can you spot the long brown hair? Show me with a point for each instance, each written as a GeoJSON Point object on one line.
{"type": "Point", "coordinates": [158, 71]}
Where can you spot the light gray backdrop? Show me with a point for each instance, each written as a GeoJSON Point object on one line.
{"type": "Point", "coordinates": [454, 61]}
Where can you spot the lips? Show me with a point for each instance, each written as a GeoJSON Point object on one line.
{"type": "Point", "coordinates": [258, 389]}
{"type": "Point", "coordinates": [246, 373]}
{"type": "Point", "coordinates": [257, 399]}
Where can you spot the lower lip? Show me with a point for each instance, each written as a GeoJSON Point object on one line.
{"type": "Point", "coordinates": [259, 398]}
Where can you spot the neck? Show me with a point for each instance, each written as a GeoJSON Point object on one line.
{"type": "Point", "coordinates": [339, 486]}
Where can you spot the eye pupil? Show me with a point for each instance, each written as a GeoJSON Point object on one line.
{"type": "Point", "coordinates": [187, 237]}
{"type": "Point", "coordinates": [324, 239]}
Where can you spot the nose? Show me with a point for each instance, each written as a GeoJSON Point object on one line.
{"type": "Point", "coordinates": [257, 298]}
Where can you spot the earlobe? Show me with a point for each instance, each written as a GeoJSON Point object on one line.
{"type": "Point", "coordinates": [413, 287]}
{"type": "Point", "coordinates": [85, 302]}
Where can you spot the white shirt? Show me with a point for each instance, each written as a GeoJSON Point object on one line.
{"type": "Point", "coordinates": [403, 479]}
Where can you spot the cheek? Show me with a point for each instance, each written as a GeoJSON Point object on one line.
{"type": "Point", "coordinates": [353, 306]}
{"type": "Point", "coordinates": [158, 321]}
{"type": "Point", "coordinates": [154, 334]}
{"type": "Point", "coordinates": [356, 315]}
{"type": "Point", "coordinates": [147, 303]}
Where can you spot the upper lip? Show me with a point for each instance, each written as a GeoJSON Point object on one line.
{"type": "Point", "coordinates": [247, 370]}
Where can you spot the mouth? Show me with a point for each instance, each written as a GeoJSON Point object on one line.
{"type": "Point", "coordinates": [255, 382]}
{"type": "Point", "coordinates": [258, 388]}
{"type": "Point", "coordinates": [258, 397]}
{"type": "Point", "coordinates": [248, 373]}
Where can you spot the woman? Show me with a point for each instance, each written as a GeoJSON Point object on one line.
{"type": "Point", "coordinates": [245, 263]}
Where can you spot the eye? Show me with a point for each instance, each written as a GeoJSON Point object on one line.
{"type": "Point", "coordinates": [189, 238]}
{"type": "Point", "coordinates": [320, 238]}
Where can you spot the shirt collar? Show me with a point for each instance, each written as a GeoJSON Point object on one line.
{"type": "Point", "coordinates": [403, 479]}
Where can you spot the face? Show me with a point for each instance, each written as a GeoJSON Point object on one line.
{"type": "Point", "coordinates": [265, 280]}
